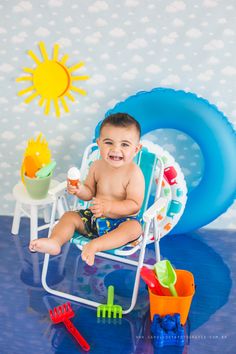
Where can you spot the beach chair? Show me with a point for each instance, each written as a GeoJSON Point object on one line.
{"type": "Point", "coordinates": [152, 167]}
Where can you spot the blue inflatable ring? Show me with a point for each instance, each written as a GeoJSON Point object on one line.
{"type": "Point", "coordinates": [196, 117]}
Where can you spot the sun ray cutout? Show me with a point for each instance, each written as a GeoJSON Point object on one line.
{"type": "Point", "coordinates": [52, 80]}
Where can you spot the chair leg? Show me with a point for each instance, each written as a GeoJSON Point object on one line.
{"type": "Point", "coordinates": [157, 251]}
{"type": "Point", "coordinates": [61, 293]}
{"type": "Point", "coordinates": [60, 207]}
{"type": "Point", "coordinates": [140, 264]}
{"type": "Point", "coordinates": [53, 217]}
{"type": "Point", "coordinates": [36, 268]}
{"type": "Point", "coordinates": [16, 219]}
{"type": "Point", "coordinates": [94, 303]}
{"type": "Point", "coordinates": [157, 236]}
{"type": "Point", "coordinates": [33, 222]}
{"type": "Point", "coordinates": [46, 214]}
{"type": "Point", "coordinates": [135, 291]}
{"type": "Point", "coordinates": [81, 299]}
{"type": "Point", "coordinates": [63, 258]}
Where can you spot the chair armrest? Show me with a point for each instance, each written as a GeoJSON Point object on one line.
{"type": "Point", "coordinates": [58, 190]}
{"type": "Point", "coordinates": [151, 212]}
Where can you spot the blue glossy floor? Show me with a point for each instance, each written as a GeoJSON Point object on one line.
{"type": "Point", "coordinates": [25, 326]}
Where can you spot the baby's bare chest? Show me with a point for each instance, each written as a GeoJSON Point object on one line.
{"type": "Point", "coordinates": [112, 186]}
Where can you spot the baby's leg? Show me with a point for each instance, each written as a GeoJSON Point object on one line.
{"type": "Point", "coordinates": [125, 233]}
{"type": "Point", "coordinates": [61, 233]}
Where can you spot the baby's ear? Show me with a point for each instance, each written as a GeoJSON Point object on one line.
{"type": "Point", "coordinates": [138, 148]}
{"type": "Point", "coordinates": [98, 141]}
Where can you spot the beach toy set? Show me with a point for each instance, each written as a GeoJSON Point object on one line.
{"type": "Point", "coordinates": [170, 290]}
{"type": "Point", "coordinates": [170, 294]}
{"type": "Point", "coordinates": [37, 167]}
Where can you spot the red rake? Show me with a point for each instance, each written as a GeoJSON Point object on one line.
{"type": "Point", "coordinates": [63, 314]}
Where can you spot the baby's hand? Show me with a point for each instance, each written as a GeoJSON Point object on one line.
{"type": "Point", "coordinates": [100, 207]}
{"type": "Point", "coordinates": [73, 189]}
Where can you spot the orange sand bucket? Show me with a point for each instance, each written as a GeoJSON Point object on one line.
{"type": "Point", "coordinates": [168, 304]}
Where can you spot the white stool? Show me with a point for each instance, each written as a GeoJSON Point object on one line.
{"type": "Point", "coordinates": [24, 201]}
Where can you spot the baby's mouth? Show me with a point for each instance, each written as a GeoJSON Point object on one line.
{"type": "Point", "coordinates": [115, 158]}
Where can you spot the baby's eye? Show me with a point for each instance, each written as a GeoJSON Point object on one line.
{"type": "Point", "coordinates": [124, 144]}
{"type": "Point", "coordinates": [108, 142]}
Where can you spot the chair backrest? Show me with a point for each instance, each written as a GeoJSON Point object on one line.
{"type": "Point", "coordinates": [145, 159]}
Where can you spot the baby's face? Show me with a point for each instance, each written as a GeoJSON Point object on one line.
{"type": "Point", "coordinates": [118, 145]}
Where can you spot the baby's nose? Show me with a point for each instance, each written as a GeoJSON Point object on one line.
{"type": "Point", "coordinates": [115, 147]}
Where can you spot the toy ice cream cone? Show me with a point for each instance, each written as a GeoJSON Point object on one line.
{"type": "Point", "coordinates": [73, 176]}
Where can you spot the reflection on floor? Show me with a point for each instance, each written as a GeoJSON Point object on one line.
{"type": "Point", "coordinates": [25, 326]}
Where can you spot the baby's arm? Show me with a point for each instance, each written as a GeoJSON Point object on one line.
{"type": "Point", "coordinates": [121, 208]}
{"type": "Point", "coordinates": [86, 190]}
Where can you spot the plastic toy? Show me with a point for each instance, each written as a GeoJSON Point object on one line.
{"type": "Point", "coordinates": [166, 275]}
{"type": "Point", "coordinates": [37, 154]}
{"type": "Point", "coordinates": [31, 166]}
{"type": "Point", "coordinates": [46, 170]}
{"type": "Point", "coordinates": [51, 80]}
{"type": "Point", "coordinates": [109, 310]}
{"type": "Point", "coordinates": [73, 176]}
{"type": "Point", "coordinates": [186, 112]}
{"type": "Point", "coordinates": [63, 314]}
{"type": "Point", "coordinates": [151, 280]}
{"type": "Point", "coordinates": [168, 304]}
{"type": "Point", "coordinates": [167, 330]}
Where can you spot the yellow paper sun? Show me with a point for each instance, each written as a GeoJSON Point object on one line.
{"type": "Point", "coordinates": [51, 80]}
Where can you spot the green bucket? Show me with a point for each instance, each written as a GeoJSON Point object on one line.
{"type": "Point", "coordinates": [37, 187]}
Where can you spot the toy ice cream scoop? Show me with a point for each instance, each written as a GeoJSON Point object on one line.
{"type": "Point", "coordinates": [73, 176]}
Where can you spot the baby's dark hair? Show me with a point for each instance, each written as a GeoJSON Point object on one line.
{"type": "Point", "coordinates": [121, 120]}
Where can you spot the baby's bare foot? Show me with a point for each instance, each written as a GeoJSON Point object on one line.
{"type": "Point", "coordinates": [45, 245]}
{"type": "Point", "coordinates": [88, 253]}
